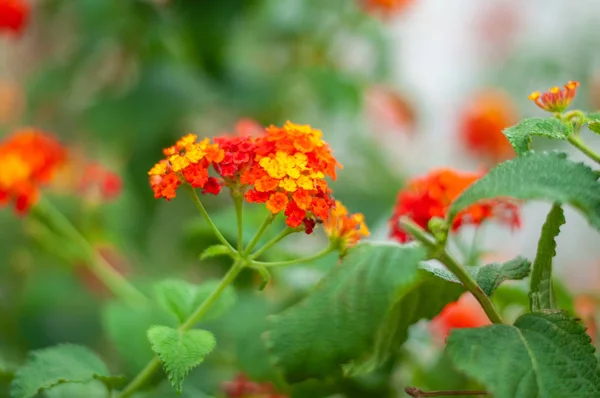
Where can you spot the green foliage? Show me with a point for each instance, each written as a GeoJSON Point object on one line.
{"type": "Point", "coordinates": [490, 276]}
{"type": "Point", "coordinates": [181, 298]}
{"type": "Point", "coordinates": [65, 363]}
{"type": "Point", "coordinates": [180, 351]}
{"type": "Point", "coordinates": [213, 251]}
{"type": "Point", "coordinates": [594, 126]}
{"type": "Point", "coordinates": [92, 389]}
{"type": "Point", "coordinates": [546, 176]}
{"type": "Point", "coordinates": [126, 328]}
{"type": "Point", "coordinates": [542, 293]}
{"type": "Point", "coordinates": [520, 135]}
{"type": "Point", "coordinates": [358, 314]}
{"type": "Point", "coordinates": [544, 355]}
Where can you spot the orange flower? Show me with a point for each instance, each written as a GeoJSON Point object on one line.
{"type": "Point", "coordinates": [242, 387]}
{"type": "Point", "coordinates": [292, 162]}
{"type": "Point", "coordinates": [482, 121]}
{"type": "Point", "coordinates": [347, 229]}
{"type": "Point", "coordinates": [187, 160]}
{"type": "Point", "coordinates": [555, 99]}
{"type": "Point", "coordinates": [430, 196]}
{"type": "Point", "coordinates": [29, 158]}
{"type": "Point", "coordinates": [464, 313]}
{"type": "Point", "coordinates": [13, 15]}
{"type": "Point", "coordinates": [385, 6]}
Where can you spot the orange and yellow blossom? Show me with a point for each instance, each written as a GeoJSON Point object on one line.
{"type": "Point", "coordinates": [345, 228]}
{"type": "Point", "coordinates": [555, 99]}
{"type": "Point", "coordinates": [430, 196]}
{"type": "Point", "coordinates": [29, 158]}
{"type": "Point", "coordinates": [288, 174]}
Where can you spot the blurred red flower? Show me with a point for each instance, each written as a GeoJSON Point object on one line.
{"type": "Point", "coordinates": [430, 196]}
{"type": "Point", "coordinates": [13, 15]}
{"type": "Point", "coordinates": [99, 184]}
{"type": "Point", "coordinates": [385, 7]}
{"type": "Point", "coordinates": [242, 387]}
{"type": "Point", "coordinates": [389, 109]}
{"type": "Point", "coordinates": [586, 307]}
{"type": "Point", "coordinates": [464, 313]}
{"type": "Point", "coordinates": [28, 159]}
{"type": "Point", "coordinates": [482, 121]}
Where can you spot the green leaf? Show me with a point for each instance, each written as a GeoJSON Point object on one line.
{"type": "Point", "coordinates": [520, 135]}
{"type": "Point", "coordinates": [65, 363]}
{"type": "Point", "coordinates": [593, 116]}
{"type": "Point", "coordinates": [213, 251]}
{"type": "Point", "coordinates": [541, 291]}
{"type": "Point", "coordinates": [546, 176]}
{"type": "Point", "coordinates": [490, 276]}
{"type": "Point", "coordinates": [182, 298]}
{"type": "Point", "coordinates": [358, 313]}
{"type": "Point", "coordinates": [594, 126]}
{"type": "Point", "coordinates": [92, 389]}
{"type": "Point", "coordinates": [544, 355]}
{"type": "Point", "coordinates": [180, 351]}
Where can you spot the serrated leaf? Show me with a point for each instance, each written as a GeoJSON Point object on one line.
{"type": "Point", "coordinates": [594, 126]}
{"type": "Point", "coordinates": [520, 135]}
{"type": "Point", "coordinates": [593, 116]}
{"type": "Point", "coordinates": [48, 367]}
{"type": "Point", "coordinates": [213, 251]}
{"type": "Point", "coordinates": [541, 293]}
{"type": "Point", "coordinates": [490, 276]}
{"type": "Point", "coordinates": [358, 312]}
{"type": "Point", "coordinates": [545, 176]}
{"type": "Point", "coordinates": [126, 328]}
{"type": "Point", "coordinates": [180, 351]}
{"type": "Point", "coordinates": [544, 355]}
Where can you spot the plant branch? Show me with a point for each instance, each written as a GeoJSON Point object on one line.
{"type": "Point", "coordinates": [287, 231]}
{"type": "Point", "coordinates": [578, 143]}
{"type": "Point", "coordinates": [200, 207]}
{"type": "Point", "coordinates": [145, 374]}
{"type": "Point", "coordinates": [418, 393]}
{"type": "Point", "coordinates": [263, 227]}
{"type": "Point", "coordinates": [112, 279]}
{"type": "Point", "coordinates": [239, 210]}
{"type": "Point", "coordinates": [314, 257]}
{"type": "Point", "coordinates": [439, 253]}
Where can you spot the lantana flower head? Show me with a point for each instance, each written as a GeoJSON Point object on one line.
{"type": "Point", "coordinates": [188, 160]}
{"type": "Point", "coordinates": [29, 158]}
{"type": "Point", "coordinates": [430, 196]}
{"type": "Point", "coordinates": [13, 15]}
{"type": "Point", "coordinates": [482, 121]}
{"type": "Point", "coordinates": [345, 228]}
{"type": "Point", "coordinates": [288, 174]}
{"type": "Point", "coordinates": [555, 99]}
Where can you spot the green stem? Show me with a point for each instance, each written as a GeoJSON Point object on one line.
{"type": "Point", "coordinates": [453, 266]}
{"type": "Point", "coordinates": [259, 233]}
{"type": "Point", "coordinates": [578, 143]}
{"type": "Point", "coordinates": [112, 279]}
{"type": "Point", "coordinates": [239, 212]}
{"type": "Point", "coordinates": [418, 393]}
{"type": "Point", "coordinates": [287, 231]}
{"type": "Point", "coordinates": [200, 207]}
{"type": "Point", "coordinates": [145, 374]}
{"type": "Point", "coordinates": [314, 257]}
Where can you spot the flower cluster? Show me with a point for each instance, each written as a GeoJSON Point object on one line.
{"type": "Point", "coordinates": [242, 387]}
{"type": "Point", "coordinates": [288, 174]}
{"type": "Point", "coordinates": [13, 15]}
{"type": "Point", "coordinates": [555, 99]}
{"type": "Point", "coordinates": [285, 168]}
{"type": "Point", "coordinates": [28, 159]}
{"type": "Point", "coordinates": [430, 196]}
{"type": "Point", "coordinates": [344, 228]}
{"type": "Point", "coordinates": [481, 124]}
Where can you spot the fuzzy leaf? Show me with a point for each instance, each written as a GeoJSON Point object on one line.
{"type": "Point", "coordinates": [181, 298]}
{"type": "Point", "coordinates": [92, 389]}
{"type": "Point", "coordinates": [520, 135]}
{"type": "Point", "coordinates": [546, 176]}
{"type": "Point", "coordinates": [65, 363]}
{"type": "Point", "coordinates": [357, 314]}
{"type": "Point", "coordinates": [213, 251]}
{"type": "Point", "coordinates": [541, 292]}
{"type": "Point", "coordinates": [180, 351]}
{"type": "Point", "coordinates": [544, 355]}
{"type": "Point", "coordinates": [593, 116]}
{"type": "Point", "coordinates": [490, 276]}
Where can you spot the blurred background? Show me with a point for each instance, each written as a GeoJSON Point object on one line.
{"type": "Point", "coordinates": [399, 87]}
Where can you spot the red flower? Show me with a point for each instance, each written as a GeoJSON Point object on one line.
{"type": "Point", "coordinates": [99, 183]}
{"type": "Point", "coordinates": [482, 122]}
{"type": "Point", "coordinates": [13, 15]}
{"type": "Point", "coordinates": [427, 197]}
{"type": "Point", "coordinates": [385, 7]}
{"type": "Point", "coordinates": [345, 228]}
{"type": "Point", "coordinates": [555, 99]}
{"type": "Point", "coordinates": [28, 159]}
{"type": "Point", "coordinates": [242, 387]}
{"type": "Point", "coordinates": [464, 313]}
